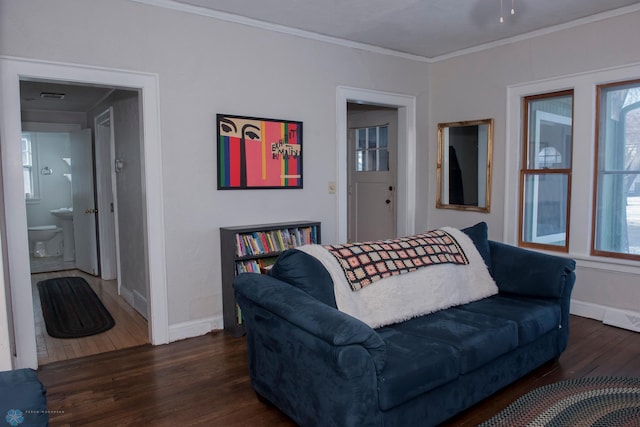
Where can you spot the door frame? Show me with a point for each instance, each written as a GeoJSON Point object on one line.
{"type": "Point", "coordinates": [406, 155]}
{"type": "Point", "coordinates": [11, 71]}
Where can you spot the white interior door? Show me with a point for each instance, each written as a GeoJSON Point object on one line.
{"type": "Point", "coordinates": [106, 201]}
{"type": "Point", "coordinates": [84, 207]}
{"type": "Point", "coordinates": [371, 174]}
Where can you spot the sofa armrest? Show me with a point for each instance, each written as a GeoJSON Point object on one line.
{"type": "Point", "coordinates": [526, 272]}
{"type": "Point", "coordinates": [307, 313]}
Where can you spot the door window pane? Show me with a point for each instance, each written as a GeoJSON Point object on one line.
{"type": "Point", "coordinates": [372, 153]}
{"type": "Point", "coordinates": [617, 214]}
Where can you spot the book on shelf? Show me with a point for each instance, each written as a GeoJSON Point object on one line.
{"type": "Point", "coordinates": [265, 242]}
{"type": "Point", "coordinates": [238, 315]}
{"type": "Point", "coordinates": [266, 264]}
{"type": "Point", "coordinates": [262, 265]}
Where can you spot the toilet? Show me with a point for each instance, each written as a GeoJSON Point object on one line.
{"type": "Point", "coordinates": [39, 235]}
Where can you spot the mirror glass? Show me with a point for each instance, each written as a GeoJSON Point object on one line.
{"type": "Point", "coordinates": [464, 165]}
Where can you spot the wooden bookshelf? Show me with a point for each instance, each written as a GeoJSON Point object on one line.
{"type": "Point", "coordinates": [253, 249]}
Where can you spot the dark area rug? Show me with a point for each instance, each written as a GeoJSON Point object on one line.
{"type": "Point", "coordinates": [584, 402]}
{"type": "Point", "coordinates": [71, 309]}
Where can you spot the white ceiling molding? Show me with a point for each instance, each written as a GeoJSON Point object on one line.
{"type": "Point", "coordinates": [230, 17]}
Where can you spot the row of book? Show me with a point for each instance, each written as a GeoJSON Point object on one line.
{"type": "Point", "coordinates": [261, 266]}
{"type": "Point", "coordinates": [265, 242]}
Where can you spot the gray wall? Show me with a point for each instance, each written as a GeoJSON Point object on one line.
{"type": "Point", "coordinates": [205, 67]}
{"type": "Point", "coordinates": [475, 86]}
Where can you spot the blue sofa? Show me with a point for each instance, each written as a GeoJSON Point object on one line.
{"type": "Point", "coordinates": [23, 399]}
{"type": "Point", "coordinates": [323, 367]}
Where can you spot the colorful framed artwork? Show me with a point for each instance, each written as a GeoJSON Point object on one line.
{"type": "Point", "coordinates": [258, 153]}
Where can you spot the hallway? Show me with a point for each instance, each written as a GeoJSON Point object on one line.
{"type": "Point", "coordinates": [130, 330]}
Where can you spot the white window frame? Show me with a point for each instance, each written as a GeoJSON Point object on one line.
{"type": "Point", "coordinates": [584, 86]}
{"type": "Point", "coordinates": [35, 171]}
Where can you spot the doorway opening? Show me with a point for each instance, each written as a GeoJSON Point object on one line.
{"type": "Point", "coordinates": [15, 245]}
{"type": "Point", "coordinates": [371, 172]}
{"type": "Point", "coordinates": [404, 193]}
{"type": "Point", "coordinates": [73, 133]}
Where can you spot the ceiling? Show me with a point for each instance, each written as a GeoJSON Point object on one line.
{"type": "Point", "coordinates": [424, 28]}
{"type": "Point", "coordinates": [420, 28]}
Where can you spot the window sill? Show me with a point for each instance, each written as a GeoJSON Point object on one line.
{"type": "Point", "coordinates": [607, 264]}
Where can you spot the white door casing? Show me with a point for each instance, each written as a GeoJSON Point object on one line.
{"type": "Point", "coordinates": [11, 71]}
{"type": "Point", "coordinates": [84, 205]}
{"type": "Point", "coordinates": [406, 155]}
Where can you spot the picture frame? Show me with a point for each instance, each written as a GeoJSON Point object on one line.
{"type": "Point", "coordinates": [258, 153]}
{"type": "Point", "coordinates": [463, 170]}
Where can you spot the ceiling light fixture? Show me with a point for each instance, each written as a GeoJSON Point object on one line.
{"type": "Point", "coordinates": [513, 10]}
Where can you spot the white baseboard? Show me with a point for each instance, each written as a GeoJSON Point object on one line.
{"type": "Point", "coordinates": [622, 319]}
{"type": "Point", "coordinates": [140, 304]}
{"type": "Point", "coordinates": [194, 328]}
{"type": "Point", "coordinates": [609, 316]}
{"type": "Point", "coordinates": [587, 309]}
{"type": "Point", "coordinates": [136, 300]}
{"type": "Point", "coordinates": [127, 295]}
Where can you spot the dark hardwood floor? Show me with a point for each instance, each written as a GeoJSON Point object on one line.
{"type": "Point", "coordinates": [204, 381]}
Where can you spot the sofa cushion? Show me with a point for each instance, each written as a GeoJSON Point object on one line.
{"type": "Point", "coordinates": [307, 273]}
{"type": "Point", "coordinates": [479, 235]}
{"type": "Point", "coordinates": [525, 272]}
{"type": "Point", "coordinates": [478, 338]}
{"type": "Point", "coordinates": [535, 317]}
{"type": "Point", "coordinates": [414, 366]}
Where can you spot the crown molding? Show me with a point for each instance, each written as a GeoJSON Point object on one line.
{"type": "Point", "coordinates": [229, 17]}
{"type": "Point", "coordinates": [541, 32]}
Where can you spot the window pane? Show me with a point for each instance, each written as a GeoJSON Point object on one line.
{"type": "Point", "coordinates": [618, 214]}
{"type": "Point", "coordinates": [359, 161]}
{"type": "Point", "coordinates": [361, 139]}
{"type": "Point", "coordinates": [27, 166]}
{"type": "Point", "coordinates": [384, 159]}
{"type": "Point", "coordinates": [372, 137]}
{"type": "Point", "coordinates": [383, 135]}
{"type": "Point", "coordinates": [545, 209]}
{"type": "Point", "coordinates": [372, 154]}
{"type": "Point", "coordinates": [371, 160]}
{"type": "Point", "coordinates": [550, 133]}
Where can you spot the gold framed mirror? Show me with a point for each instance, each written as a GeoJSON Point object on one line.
{"type": "Point", "coordinates": [464, 165]}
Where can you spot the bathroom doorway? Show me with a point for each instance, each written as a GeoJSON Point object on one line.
{"type": "Point", "coordinates": [70, 169]}
{"type": "Point", "coordinates": [16, 270]}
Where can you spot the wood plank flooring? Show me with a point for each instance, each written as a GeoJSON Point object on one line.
{"type": "Point", "coordinates": [204, 381]}
{"type": "Point", "coordinates": [130, 329]}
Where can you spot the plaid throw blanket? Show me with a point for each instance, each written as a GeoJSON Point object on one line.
{"type": "Point", "coordinates": [365, 263]}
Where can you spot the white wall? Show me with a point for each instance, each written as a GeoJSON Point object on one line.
{"type": "Point", "coordinates": [475, 86]}
{"type": "Point", "coordinates": [206, 67]}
